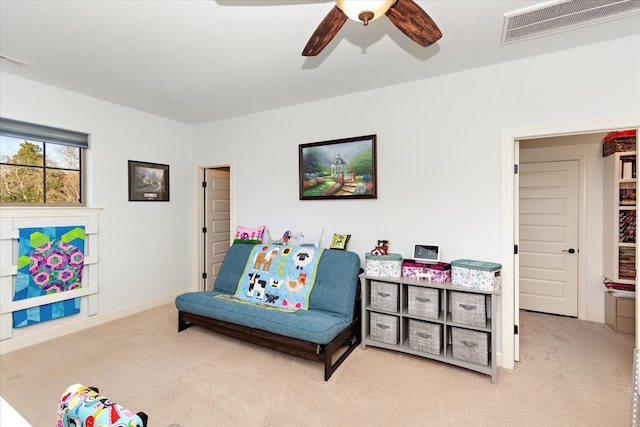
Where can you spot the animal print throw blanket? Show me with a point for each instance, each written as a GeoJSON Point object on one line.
{"type": "Point", "coordinates": [279, 276]}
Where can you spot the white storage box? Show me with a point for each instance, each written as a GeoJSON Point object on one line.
{"type": "Point", "coordinates": [383, 265]}
{"type": "Point", "coordinates": [470, 346]}
{"type": "Point", "coordinates": [476, 274]}
{"type": "Point", "coordinates": [384, 296]}
{"type": "Point", "coordinates": [424, 302]}
{"type": "Point", "coordinates": [425, 336]}
{"type": "Point", "coordinates": [468, 309]}
{"type": "Point", "coordinates": [383, 328]}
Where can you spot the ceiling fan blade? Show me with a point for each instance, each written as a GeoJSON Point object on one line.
{"type": "Point", "coordinates": [414, 22]}
{"type": "Point", "coordinates": [325, 32]}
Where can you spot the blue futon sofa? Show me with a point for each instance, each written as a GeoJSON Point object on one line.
{"type": "Point", "coordinates": [330, 326]}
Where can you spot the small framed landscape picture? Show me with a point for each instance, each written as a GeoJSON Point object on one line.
{"type": "Point", "coordinates": [338, 169]}
{"type": "Point", "coordinates": [148, 182]}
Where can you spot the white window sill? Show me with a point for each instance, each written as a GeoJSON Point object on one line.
{"type": "Point", "coordinates": [45, 211]}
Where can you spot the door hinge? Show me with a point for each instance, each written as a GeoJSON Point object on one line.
{"type": "Point", "coordinates": [515, 169]}
{"type": "Point", "coordinates": [204, 184]}
{"type": "Point", "coordinates": [515, 249]}
{"type": "Point", "coordinates": [515, 329]}
{"type": "Point", "coordinates": [204, 275]}
{"type": "Point", "coordinates": [204, 230]}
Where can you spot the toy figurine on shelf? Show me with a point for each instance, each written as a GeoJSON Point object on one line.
{"type": "Point", "coordinates": [382, 248]}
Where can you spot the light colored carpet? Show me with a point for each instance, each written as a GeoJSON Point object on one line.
{"type": "Point", "coordinates": [571, 373]}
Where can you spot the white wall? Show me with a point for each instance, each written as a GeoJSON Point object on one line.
{"type": "Point", "coordinates": [144, 246]}
{"type": "Point", "coordinates": [439, 148]}
{"type": "Point", "coordinates": [439, 161]}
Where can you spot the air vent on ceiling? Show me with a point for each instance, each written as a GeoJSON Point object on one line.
{"type": "Point", "coordinates": [562, 15]}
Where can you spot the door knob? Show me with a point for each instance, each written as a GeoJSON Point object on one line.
{"type": "Point", "coordinates": [570, 250]}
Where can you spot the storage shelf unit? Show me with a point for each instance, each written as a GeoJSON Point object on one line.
{"type": "Point", "coordinates": [620, 313]}
{"type": "Point", "coordinates": [399, 317]}
{"type": "Point", "coordinates": [619, 239]}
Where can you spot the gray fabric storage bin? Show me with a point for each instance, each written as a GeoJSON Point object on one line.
{"type": "Point", "coordinates": [425, 336]}
{"type": "Point", "coordinates": [384, 296]}
{"type": "Point", "coordinates": [470, 346]}
{"type": "Point", "coordinates": [469, 309]}
{"type": "Point", "coordinates": [424, 302]}
{"type": "Point", "coordinates": [383, 328]}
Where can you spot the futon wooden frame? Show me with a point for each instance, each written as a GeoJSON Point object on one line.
{"type": "Point", "coordinates": [347, 340]}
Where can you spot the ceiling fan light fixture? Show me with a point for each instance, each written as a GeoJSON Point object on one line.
{"type": "Point", "coordinates": [406, 15]}
{"type": "Point", "coordinates": [364, 11]}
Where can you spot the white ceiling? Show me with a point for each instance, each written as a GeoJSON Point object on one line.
{"type": "Point", "coordinates": [200, 61]}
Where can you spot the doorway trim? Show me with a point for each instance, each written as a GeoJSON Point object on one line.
{"type": "Point", "coordinates": [198, 249]}
{"type": "Point", "coordinates": [510, 223]}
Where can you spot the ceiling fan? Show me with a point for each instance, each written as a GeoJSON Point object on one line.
{"type": "Point", "coordinates": [404, 14]}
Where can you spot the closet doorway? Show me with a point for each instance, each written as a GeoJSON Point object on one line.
{"type": "Point", "coordinates": [511, 140]}
{"type": "Point", "coordinates": [215, 222]}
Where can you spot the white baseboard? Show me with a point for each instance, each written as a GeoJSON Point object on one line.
{"type": "Point", "coordinates": [16, 343]}
{"type": "Point", "coordinates": [596, 316]}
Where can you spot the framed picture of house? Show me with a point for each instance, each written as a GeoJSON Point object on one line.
{"type": "Point", "coordinates": [338, 169]}
{"type": "Point", "coordinates": [148, 182]}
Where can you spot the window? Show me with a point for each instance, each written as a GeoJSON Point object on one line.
{"type": "Point", "coordinates": [41, 165]}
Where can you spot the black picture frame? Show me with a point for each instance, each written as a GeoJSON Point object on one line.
{"type": "Point", "coordinates": [338, 169]}
{"type": "Point", "coordinates": [148, 182]}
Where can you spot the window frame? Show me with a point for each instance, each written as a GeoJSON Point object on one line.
{"type": "Point", "coordinates": [48, 136]}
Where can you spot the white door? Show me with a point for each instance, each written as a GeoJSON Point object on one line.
{"type": "Point", "coordinates": [217, 214]}
{"type": "Point", "coordinates": [548, 237]}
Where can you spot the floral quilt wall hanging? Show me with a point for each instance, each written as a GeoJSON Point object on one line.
{"type": "Point", "coordinates": [50, 260]}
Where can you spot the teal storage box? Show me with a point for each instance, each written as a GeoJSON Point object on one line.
{"type": "Point", "coordinates": [383, 265]}
{"type": "Point", "coordinates": [476, 274]}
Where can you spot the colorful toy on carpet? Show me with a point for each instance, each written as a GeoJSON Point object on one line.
{"type": "Point", "coordinates": [84, 406]}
